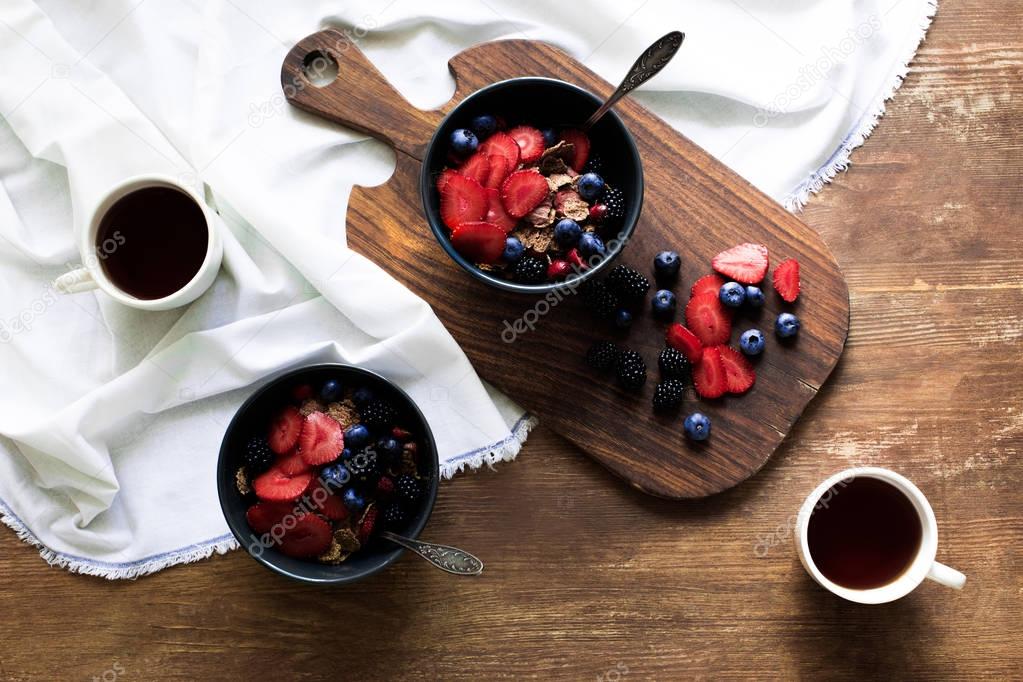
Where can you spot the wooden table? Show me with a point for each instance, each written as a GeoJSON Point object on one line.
{"type": "Point", "coordinates": [587, 579]}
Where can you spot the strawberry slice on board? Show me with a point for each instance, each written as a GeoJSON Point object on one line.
{"type": "Point", "coordinates": [479, 241]}
{"type": "Point", "coordinates": [523, 191]}
{"type": "Point", "coordinates": [321, 440]}
{"type": "Point", "coordinates": [709, 375]}
{"type": "Point", "coordinates": [530, 141]}
{"type": "Point", "coordinates": [581, 153]}
{"type": "Point", "coordinates": [786, 280]}
{"type": "Point", "coordinates": [496, 213]}
{"type": "Point", "coordinates": [309, 537]}
{"type": "Point", "coordinates": [277, 486]}
{"type": "Point", "coordinates": [708, 319]}
{"type": "Point", "coordinates": [502, 144]}
{"type": "Point", "coordinates": [476, 167]}
{"type": "Point", "coordinates": [746, 263]}
{"type": "Point", "coordinates": [499, 171]}
{"type": "Point", "coordinates": [708, 284]}
{"type": "Point", "coordinates": [284, 430]}
{"type": "Point", "coordinates": [263, 516]}
{"type": "Point", "coordinates": [739, 373]}
{"type": "Point", "coordinates": [685, 342]}
{"type": "Point", "coordinates": [462, 201]}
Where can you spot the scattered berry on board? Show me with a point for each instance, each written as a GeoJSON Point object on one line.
{"type": "Point", "coordinates": [674, 364]}
{"type": "Point", "coordinates": [754, 296]}
{"type": "Point", "coordinates": [752, 342]}
{"type": "Point", "coordinates": [668, 394]}
{"type": "Point", "coordinates": [786, 280]}
{"type": "Point", "coordinates": [697, 426]}
{"type": "Point", "coordinates": [629, 284]}
{"type": "Point", "coordinates": [631, 370]}
{"type": "Point", "coordinates": [623, 318]}
{"type": "Point", "coordinates": [732, 294]}
{"type": "Point", "coordinates": [664, 304]}
{"type": "Point", "coordinates": [786, 326]}
{"type": "Point", "coordinates": [602, 355]}
{"type": "Point", "coordinates": [667, 265]}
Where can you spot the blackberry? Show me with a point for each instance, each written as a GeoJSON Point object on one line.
{"type": "Point", "coordinates": [408, 488]}
{"type": "Point", "coordinates": [594, 164]}
{"type": "Point", "coordinates": [673, 364]}
{"type": "Point", "coordinates": [395, 515]}
{"type": "Point", "coordinates": [628, 283]}
{"type": "Point", "coordinates": [599, 298]}
{"type": "Point", "coordinates": [258, 456]}
{"type": "Point", "coordinates": [531, 270]}
{"type": "Point", "coordinates": [378, 414]}
{"type": "Point", "coordinates": [668, 394]}
{"type": "Point", "coordinates": [602, 355]}
{"type": "Point", "coordinates": [631, 369]}
{"type": "Point", "coordinates": [614, 199]}
{"type": "Point", "coordinates": [363, 465]}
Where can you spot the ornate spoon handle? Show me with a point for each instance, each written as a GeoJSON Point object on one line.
{"type": "Point", "coordinates": [653, 59]}
{"type": "Point", "coordinates": [450, 559]}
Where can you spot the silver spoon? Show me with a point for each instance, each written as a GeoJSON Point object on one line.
{"type": "Point", "coordinates": [649, 64]}
{"type": "Point", "coordinates": [450, 559]}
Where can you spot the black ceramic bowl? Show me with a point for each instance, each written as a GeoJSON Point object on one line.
{"type": "Point", "coordinates": [542, 103]}
{"type": "Point", "coordinates": [253, 418]}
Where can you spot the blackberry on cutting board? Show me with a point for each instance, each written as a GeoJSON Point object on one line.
{"type": "Point", "coordinates": [674, 364]}
{"type": "Point", "coordinates": [599, 298]}
{"type": "Point", "coordinates": [602, 355]}
{"type": "Point", "coordinates": [629, 284]}
{"type": "Point", "coordinates": [631, 369]}
{"type": "Point", "coordinates": [668, 394]}
{"type": "Point", "coordinates": [258, 456]}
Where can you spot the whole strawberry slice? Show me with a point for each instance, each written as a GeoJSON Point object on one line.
{"type": "Point", "coordinates": [476, 167]}
{"type": "Point", "coordinates": [709, 375]}
{"type": "Point", "coordinates": [284, 430]}
{"type": "Point", "coordinates": [480, 242]}
{"type": "Point", "coordinates": [685, 342]}
{"type": "Point", "coordinates": [500, 168]}
{"type": "Point", "coordinates": [462, 201]}
{"type": "Point", "coordinates": [786, 279]}
{"type": "Point", "coordinates": [581, 153]}
{"type": "Point", "coordinates": [292, 464]}
{"type": "Point", "coordinates": [327, 503]}
{"type": "Point", "coordinates": [309, 537]}
{"type": "Point", "coordinates": [502, 144]}
{"type": "Point", "coordinates": [746, 263]}
{"type": "Point", "coordinates": [739, 374]}
{"type": "Point", "coordinates": [708, 284]}
{"type": "Point", "coordinates": [321, 440]}
{"type": "Point", "coordinates": [530, 141]}
{"type": "Point", "coordinates": [277, 486]}
{"type": "Point", "coordinates": [263, 516]}
{"type": "Point", "coordinates": [523, 191]}
{"type": "Point", "coordinates": [496, 213]}
{"type": "Point", "coordinates": [708, 319]}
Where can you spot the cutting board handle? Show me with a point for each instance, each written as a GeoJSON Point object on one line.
{"type": "Point", "coordinates": [359, 97]}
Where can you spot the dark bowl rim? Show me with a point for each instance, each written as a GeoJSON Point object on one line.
{"type": "Point", "coordinates": [275, 381]}
{"type": "Point", "coordinates": [439, 229]}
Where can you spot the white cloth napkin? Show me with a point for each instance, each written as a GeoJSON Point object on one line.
{"type": "Point", "coordinates": [111, 418]}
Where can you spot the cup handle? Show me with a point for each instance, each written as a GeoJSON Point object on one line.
{"type": "Point", "coordinates": [75, 281]}
{"type": "Point", "coordinates": [946, 575]}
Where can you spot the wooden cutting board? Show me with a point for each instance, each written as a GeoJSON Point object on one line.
{"type": "Point", "coordinates": [692, 204]}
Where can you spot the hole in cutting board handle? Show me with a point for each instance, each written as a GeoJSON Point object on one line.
{"type": "Point", "coordinates": [319, 68]}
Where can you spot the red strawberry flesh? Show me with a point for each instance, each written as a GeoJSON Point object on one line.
{"type": "Point", "coordinates": [292, 463]}
{"type": "Point", "coordinates": [476, 167]}
{"type": "Point", "coordinates": [462, 201]}
{"type": "Point", "coordinates": [709, 375]}
{"type": "Point", "coordinates": [263, 516]}
{"type": "Point", "coordinates": [276, 486]}
{"type": "Point", "coordinates": [708, 319]}
{"type": "Point", "coordinates": [496, 213]}
{"type": "Point", "coordinates": [480, 242]}
{"type": "Point", "coordinates": [500, 168]}
{"type": "Point", "coordinates": [523, 191]}
{"type": "Point", "coordinates": [502, 144]}
{"type": "Point", "coordinates": [321, 440]}
{"type": "Point", "coordinates": [685, 342]}
{"type": "Point", "coordinates": [309, 537]}
{"type": "Point", "coordinates": [746, 263]}
{"type": "Point", "coordinates": [284, 430]}
{"type": "Point", "coordinates": [708, 284]}
{"type": "Point", "coordinates": [581, 143]}
{"type": "Point", "coordinates": [530, 141]}
{"type": "Point", "coordinates": [786, 280]}
{"type": "Point", "coordinates": [739, 373]}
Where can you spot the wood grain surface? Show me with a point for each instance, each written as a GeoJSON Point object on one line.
{"type": "Point", "coordinates": [587, 579]}
{"type": "Point", "coordinates": [692, 203]}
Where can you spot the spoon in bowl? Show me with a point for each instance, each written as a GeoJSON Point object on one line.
{"type": "Point", "coordinates": [649, 64]}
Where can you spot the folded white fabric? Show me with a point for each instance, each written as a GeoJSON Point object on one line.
{"type": "Point", "coordinates": [111, 418]}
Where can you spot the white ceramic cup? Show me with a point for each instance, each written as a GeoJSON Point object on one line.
{"type": "Point", "coordinates": [923, 565]}
{"type": "Point", "coordinates": [92, 276]}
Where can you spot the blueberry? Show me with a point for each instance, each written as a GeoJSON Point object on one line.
{"type": "Point", "coordinates": [590, 186]}
{"type": "Point", "coordinates": [752, 342]}
{"type": "Point", "coordinates": [567, 232]}
{"type": "Point", "coordinates": [484, 126]}
{"type": "Point", "coordinates": [389, 448]}
{"type": "Point", "coordinates": [361, 396]}
{"type": "Point", "coordinates": [697, 426]}
{"type": "Point", "coordinates": [623, 319]}
{"type": "Point", "coordinates": [732, 294]}
{"type": "Point", "coordinates": [591, 245]}
{"type": "Point", "coordinates": [754, 296]}
{"type": "Point", "coordinates": [664, 303]}
{"type": "Point", "coordinates": [346, 454]}
{"type": "Point", "coordinates": [463, 142]}
{"type": "Point", "coordinates": [667, 264]}
{"type": "Point", "coordinates": [513, 250]}
{"type": "Point", "coordinates": [335, 475]}
{"type": "Point", "coordinates": [331, 391]}
{"type": "Point", "coordinates": [550, 137]}
{"type": "Point", "coordinates": [353, 500]}
{"type": "Point", "coordinates": [786, 325]}
{"type": "Point", "coordinates": [356, 436]}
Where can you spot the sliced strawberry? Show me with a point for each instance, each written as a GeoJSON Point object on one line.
{"type": "Point", "coordinates": [496, 213]}
{"type": "Point", "coordinates": [326, 502]}
{"type": "Point", "coordinates": [369, 520]}
{"type": "Point", "coordinates": [292, 463]}
{"type": "Point", "coordinates": [499, 171]}
{"type": "Point", "coordinates": [321, 440]}
{"type": "Point", "coordinates": [442, 179]}
{"type": "Point", "coordinates": [263, 516]}
{"type": "Point", "coordinates": [302, 392]}
{"type": "Point", "coordinates": [685, 342]}
{"type": "Point", "coordinates": [284, 430]}
{"type": "Point", "coordinates": [502, 144]}
{"type": "Point", "coordinates": [462, 201]}
{"type": "Point", "coordinates": [739, 374]}
{"type": "Point", "coordinates": [530, 141]}
{"type": "Point", "coordinates": [746, 263]}
{"type": "Point", "coordinates": [401, 433]}
{"type": "Point", "coordinates": [476, 167]}
{"type": "Point", "coordinates": [708, 284]}
{"type": "Point", "coordinates": [309, 537]}
{"type": "Point", "coordinates": [709, 375]}
{"type": "Point", "coordinates": [708, 319]}
{"type": "Point", "coordinates": [480, 242]}
{"type": "Point", "coordinates": [523, 191]}
{"type": "Point", "coordinates": [581, 142]}
{"type": "Point", "coordinates": [277, 486]}
{"type": "Point", "coordinates": [558, 269]}
{"type": "Point", "coordinates": [576, 259]}
{"type": "Point", "coordinates": [786, 279]}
